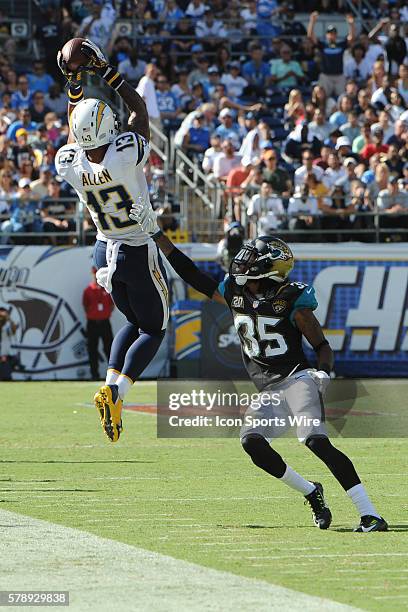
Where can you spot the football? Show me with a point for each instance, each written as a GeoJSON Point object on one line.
{"type": "Point", "coordinates": [72, 54]}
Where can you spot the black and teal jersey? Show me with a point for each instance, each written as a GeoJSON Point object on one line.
{"type": "Point", "coordinates": [271, 344]}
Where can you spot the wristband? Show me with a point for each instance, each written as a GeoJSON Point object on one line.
{"type": "Point", "coordinates": [112, 77]}
{"type": "Point", "coordinates": [75, 93]}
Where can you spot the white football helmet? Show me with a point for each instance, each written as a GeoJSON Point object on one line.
{"type": "Point", "coordinates": [93, 123]}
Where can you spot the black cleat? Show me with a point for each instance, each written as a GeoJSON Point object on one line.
{"type": "Point", "coordinates": [322, 517]}
{"type": "Point", "coordinates": [371, 523]}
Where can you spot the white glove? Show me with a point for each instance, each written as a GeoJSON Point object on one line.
{"type": "Point", "coordinates": [144, 215]}
{"type": "Point", "coordinates": [322, 380]}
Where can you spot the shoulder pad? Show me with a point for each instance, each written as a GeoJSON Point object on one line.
{"type": "Point", "coordinates": [65, 156]}
{"type": "Point", "coordinates": [132, 145]}
{"type": "Point", "coordinates": [291, 291]}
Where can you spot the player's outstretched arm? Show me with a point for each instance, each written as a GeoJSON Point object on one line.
{"type": "Point", "coordinates": [310, 327]}
{"type": "Point", "coordinates": [139, 119]}
{"type": "Point", "coordinates": [145, 216]}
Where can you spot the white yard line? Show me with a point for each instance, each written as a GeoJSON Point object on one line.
{"type": "Point", "coordinates": [105, 575]}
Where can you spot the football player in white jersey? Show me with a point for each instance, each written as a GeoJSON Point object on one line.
{"type": "Point", "coordinates": [105, 167]}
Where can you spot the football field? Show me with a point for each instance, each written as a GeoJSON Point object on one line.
{"type": "Point", "coordinates": [199, 501]}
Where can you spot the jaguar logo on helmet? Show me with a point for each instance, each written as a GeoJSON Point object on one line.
{"type": "Point", "coordinates": [263, 257]}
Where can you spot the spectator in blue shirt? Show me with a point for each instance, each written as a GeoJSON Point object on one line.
{"type": "Point", "coordinates": [22, 96]}
{"type": "Point", "coordinates": [23, 121]}
{"type": "Point", "coordinates": [228, 130]}
{"type": "Point", "coordinates": [167, 102]}
{"type": "Point", "coordinates": [39, 80]}
{"type": "Point", "coordinates": [256, 71]}
{"type": "Point", "coordinates": [173, 14]}
{"type": "Point", "coordinates": [197, 139]}
{"type": "Point", "coordinates": [24, 213]}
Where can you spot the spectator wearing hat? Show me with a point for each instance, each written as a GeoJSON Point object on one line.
{"type": "Point", "coordinates": [285, 71]}
{"type": "Point", "coordinates": [293, 29]}
{"type": "Point", "coordinates": [228, 129]}
{"type": "Point", "coordinates": [255, 70]}
{"type": "Point", "coordinates": [98, 308]}
{"type": "Point", "coordinates": [303, 212]}
{"type": "Point", "coordinates": [343, 148]}
{"type": "Point", "coordinates": [183, 36]}
{"type": "Point", "coordinates": [376, 146]}
{"type": "Point", "coordinates": [197, 139]}
{"type": "Point", "coordinates": [39, 187]}
{"type": "Point", "coordinates": [233, 81]}
{"type": "Point", "coordinates": [196, 9]}
{"type": "Point", "coordinates": [332, 51]}
{"type": "Point", "coordinates": [350, 177]}
{"type": "Point", "coordinates": [55, 212]}
{"type": "Point", "coordinates": [211, 31]}
{"type": "Point", "coordinates": [226, 161]}
{"type": "Point", "coordinates": [23, 121]}
{"type": "Point", "coordinates": [265, 210]}
{"type": "Point", "coordinates": [392, 202]}
{"type": "Point", "coordinates": [21, 151]}
{"type": "Point", "coordinates": [277, 178]}
{"type": "Point", "coordinates": [213, 79]}
{"type": "Point", "coordinates": [132, 68]}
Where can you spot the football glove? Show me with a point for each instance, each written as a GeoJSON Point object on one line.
{"type": "Point", "coordinates": [97, 61]}
{"type": "Point", "coordinates": [144, 215]}
{"type": "Point", "coordinates": [72, 76]}
{"type": "Point", "coordinates": [322, 380]}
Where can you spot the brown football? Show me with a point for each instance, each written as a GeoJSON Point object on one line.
{"type": "Point", "coordinates": [72, 54]}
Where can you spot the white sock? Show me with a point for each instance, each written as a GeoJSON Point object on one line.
{"type": "Point", "coordinates": [111, 376]}
{"type": "Point", "coordinates": [124, 384]}
{"type": "Point", "coordinates": [297, 482]}
{"type": "Point", "coordinates": [362, 502]}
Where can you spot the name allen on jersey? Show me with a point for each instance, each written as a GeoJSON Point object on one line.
{"type": "Point", "coordinates": [109, 189]}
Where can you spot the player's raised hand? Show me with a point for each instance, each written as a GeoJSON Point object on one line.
{"type": "Point", "coordinates": [97, 60]}
{"type": "Point", "coordinates": [143, 214]}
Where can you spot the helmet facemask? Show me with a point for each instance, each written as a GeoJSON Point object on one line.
{"type": "Point", "coordinates": [250, 264]}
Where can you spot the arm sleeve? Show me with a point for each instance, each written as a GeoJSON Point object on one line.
{"type": "Point", "coordinates": [188, 271]}
{"type": "Point", "coordinates": [306, 299]}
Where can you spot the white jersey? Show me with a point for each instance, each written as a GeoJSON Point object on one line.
{"type": "Point", "coordinates": [110, 188]}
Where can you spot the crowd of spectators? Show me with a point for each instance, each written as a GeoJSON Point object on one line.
{"type": "Point", "coordinates": [301, 131]}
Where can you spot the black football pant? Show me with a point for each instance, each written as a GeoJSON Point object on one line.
{"type": "Point", "coordinates": [98, 330]}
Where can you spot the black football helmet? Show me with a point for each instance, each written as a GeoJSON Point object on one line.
{"type": "Point", "coordinates": [263, 257]}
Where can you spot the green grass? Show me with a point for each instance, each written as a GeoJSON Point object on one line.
{"type": "Point", "coordinates": [202, 500]}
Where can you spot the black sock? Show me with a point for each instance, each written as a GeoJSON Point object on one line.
{"type": "Point", "coordinates": [338, 463]}
{"type": "Point", "coordinates": [263, 455]}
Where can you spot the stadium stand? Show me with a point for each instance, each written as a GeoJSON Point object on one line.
{"type": "Point", "coordinates": [261, 113]}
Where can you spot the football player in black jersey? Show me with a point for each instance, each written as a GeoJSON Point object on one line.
{"type": "Point", "coordinates": [271, 315]}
